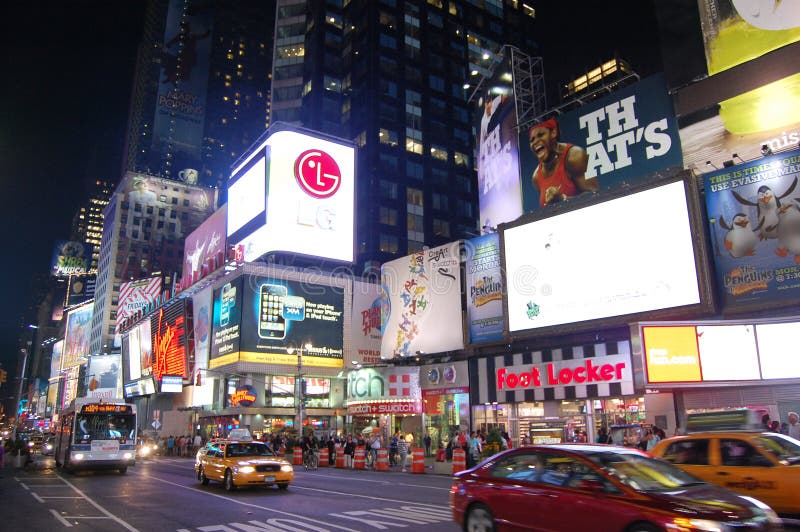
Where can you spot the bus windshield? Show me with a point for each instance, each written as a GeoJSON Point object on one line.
{"type": "Point", "coordinates": [88, 427]}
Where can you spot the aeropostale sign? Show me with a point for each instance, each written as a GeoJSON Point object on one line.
{"type": "Point", "coordinates": [597, 370]}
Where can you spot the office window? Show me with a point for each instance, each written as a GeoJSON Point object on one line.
{"type": "Point", "coordinates": [388, 162]}
{"type": "Point", "coordinates": [414, 170]}
{"type": "Point", "coordinates": [416, 223]}
{"type": "Point", "coordinates": [436, 83]}
{"type": "Point", "coordinates": [388, 244]}
{"type": "Point", "coordinates": [440, 201]}
{"type": "Point", "coordinates": [388, 41]}
{"type": "Point", "coordinates": [415, 197]}
{"type": "Point", "coordinates": [388, 20]}
{"type": "Point", "coordinates": [388, 216]}
{"type": "Point", "coordinates": [439, 153]}
{"type": "Point", "coordinates": [461, 159]}
{"type": "Point", "coordinates": [388, 88]}
{"type": "Point", "coordinates": [441, 227]}
{"type": "Point", "coordinates": [387, 189]}
{"type": "Point", "coordinates": [388, 137]}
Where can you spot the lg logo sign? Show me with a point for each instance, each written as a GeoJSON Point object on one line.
{"type": "Point", "coordinates": [317, 174]}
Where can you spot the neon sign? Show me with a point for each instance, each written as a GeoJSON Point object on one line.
{"type": "Point", "coordinates": [168, 348]}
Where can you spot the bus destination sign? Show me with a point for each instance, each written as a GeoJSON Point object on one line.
{"type": "Point", "coordinates": [105, 408]}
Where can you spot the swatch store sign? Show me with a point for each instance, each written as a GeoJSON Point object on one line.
{"type": "Point", "coordinates": [384, 391]}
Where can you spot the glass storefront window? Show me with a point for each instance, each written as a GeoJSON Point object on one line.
{"type": "Point", "coordinates": [445, 415]}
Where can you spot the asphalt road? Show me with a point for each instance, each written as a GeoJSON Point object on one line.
{"type": "Point", "coordinates": [164, 494]}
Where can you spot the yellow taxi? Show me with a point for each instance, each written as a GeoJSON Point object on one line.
{"type": "Point", "coordinates": [242, 462]}
{"type": "Point", "coordinates": [763, 465]}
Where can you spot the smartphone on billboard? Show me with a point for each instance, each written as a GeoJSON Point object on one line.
{"type": "Point", "coordinates": [227, 301]}
{"type": "Point", "coordinates": [271, 323]}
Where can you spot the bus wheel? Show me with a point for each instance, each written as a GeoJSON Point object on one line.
{"type": "Point", "coordinates": [123, 470]}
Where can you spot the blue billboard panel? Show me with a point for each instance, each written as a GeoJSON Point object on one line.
{"type": "Point", "coordinates": [754, 219]}
{"type": "Point", "coordinates": [226, 324]}
{"type": "Point", "coordinates": [484, 289]}
{"type": "Point", "coordinates": [620, 137]}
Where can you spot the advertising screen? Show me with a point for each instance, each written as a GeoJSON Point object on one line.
{"type": "Point", "coordinates": [484, 289]}
{"type": "Point", "coordinates": [205, 244]}
{"type": "Point", "coordinates": [620, 137]}
{"type": "Point", "coordinates": [202, 306]}
{"type": "Point", "coordinates": [677, 353]}
{"type": "Point", "coordinates": [55, 359]}
{"type": "Point", "coordinates": [169, 347]}
{"type": "Point", "coordinates": [77, 335]}
{"type": "Point", "coordinates": [754, 221]}
{"type": "Point", "coordinates": [226, 324]}
{"type": "Point", "coordinates": [145, 338]}
{"type": "Point", "coordinates": [135, 296]}
{"type": "Point", "coordinates": [146, 386]}
{"type": "Point", "coordinates": [278, 314]}
{"type": "Point", "coordinates": [621, 257]}
{"type": "Point", "coordinates": [499, 190]}
{"type": "Point", "coordinates": [247, 196]}
{"type": "Point", "coordinates": [70, 258]}
{"type": "Point", "coordinates": [104, 376]}
{"type": "Point", "coordinates": [171, 384]}
{"type": "Point", "coordinates": [422, 303]}
{"type": "Point", "coordinates": [310, 193]}
{"type": "Point", "coordinates": [366, 324]}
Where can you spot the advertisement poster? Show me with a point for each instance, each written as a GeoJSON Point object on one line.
{"type": "Point", "coordinates": [70, 258]}
{"type": "Point", "coordinates": [484, 289]}
{"type": "Point", "coordinates": [181, 102]}
{"type": "Point", "coordinates": [366, 323]}
{"type": "Point", "coordinates": [135, 296]}
{"type": "Point", "coordinates": [310, 197]}
{"type": "Point", "coordinates": [202, 307]}
{"type": "Point", "coordinates": [55, 359]}
{"type": "Point", "coordinates": [499, 191]}
{"type": "Point", "coordinates": [81, 289]}
{"type": "Point", "coordinates": [226, 324]}
{"type": "Point", "coordinates": [754, 220]}
{"type": "Point", "coordinates": [279, 314]}
{"type": "Point", "coordinates": [378, 391]}
{"type": "Point", "coordinates": [618, 138]}
{"type": "Point", "coordinates": [104, 377]}
{"type": "Point", "coordinates": [422, 303]}
{"type": "Point", "coordinates": [204, 245]}
{"type": "Point", "coordinates": [76, 338]}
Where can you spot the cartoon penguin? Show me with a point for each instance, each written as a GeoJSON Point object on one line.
{"type": "Point", "coordinates": [767, 205]}
{"type": "Point", "coordinates": [740, 240]}
{"type": "Point", "coordinates": [789, 231]}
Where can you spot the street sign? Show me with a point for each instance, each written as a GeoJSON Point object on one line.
{"type": "Point", "coordinates": [156, 424]}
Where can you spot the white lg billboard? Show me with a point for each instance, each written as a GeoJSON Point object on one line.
{"type": "Point", "coordinates": [624, 256]}
{"type": "Point", "coordinates": [294, 193]}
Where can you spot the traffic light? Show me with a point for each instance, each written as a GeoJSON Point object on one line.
{"type": "Point", "coordinates": [3, 375]}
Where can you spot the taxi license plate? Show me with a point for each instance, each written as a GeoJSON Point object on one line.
{"type": "Point", "coordinates": [269, 479]}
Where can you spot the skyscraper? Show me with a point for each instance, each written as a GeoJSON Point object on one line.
{"type": "Point", "coordinates": [201, 88]}
{"type": "Point", "coordinates": [395, 77]}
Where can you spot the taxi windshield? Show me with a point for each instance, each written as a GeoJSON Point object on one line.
{"type": "Point", "coordinates": [248, 449]}
{"type": "Point", "coordinates": [643, 473]}
{"type": "Point", "coordinates": [781, 446]}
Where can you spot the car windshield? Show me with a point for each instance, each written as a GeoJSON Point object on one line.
{"type": "Point", "coordinates": [782, 447]}
{"type": "Point", "coordinates": [248, 449]}
{"type": "Point", "coordinates": [642, 473]}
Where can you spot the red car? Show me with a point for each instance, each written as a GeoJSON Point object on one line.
{"type": "Point", "coordinates": [596, 487]}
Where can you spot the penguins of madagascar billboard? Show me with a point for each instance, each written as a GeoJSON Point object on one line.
{"type": "Point", "coordinates": [621, 137]}
{"type": "Point", "coordinates": [754, 219]}
{"type": "Point", "coordinates": [484, 289]}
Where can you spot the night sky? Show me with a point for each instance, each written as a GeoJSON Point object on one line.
{"type": "Point", "coordinates": [67, 69]}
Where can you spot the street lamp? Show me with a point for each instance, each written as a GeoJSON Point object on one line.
{"type": "Point", "coordinates": [298, 387]}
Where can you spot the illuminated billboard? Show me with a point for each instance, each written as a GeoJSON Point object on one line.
{"type": "Point", "coordinates": [422, 303]}
{"type": "Point", "coordinates": [484, 289]}
{"type": "Point", "coordinates": [70, 258]}
{"type": "Point", "coordinates": [226, 323]}
{"type": "Point", "coordinates": [204, 246]}
{"type": "Point", "coordinates": [294, 193]}
{"type": "Point", "coordinates": [55, 359]}
{"type": "Point", "coordinates": [390, 390]}
{"type": "Point", "coordinates": [618, 138]}
{"type": "Point", "coordinates": [104, 376]}
{"type": "Point", "coordinates": [76, 337]}
{"type": "Point", "coordinates": [499, 191]}
{"type": "Point", "coordinates": [135, 296]}
{"type": "Point", "coordinates": [754, 221]}
{"type": "Point", "coordinates": [727, 351]}
{"type": "Point", "coordinates": [366, 324]}
{"type": "Point", "coordinates": [170, 341]}
{"type": "Point", "coordinates": [612, 259]}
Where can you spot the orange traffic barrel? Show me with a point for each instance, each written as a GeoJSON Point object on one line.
{"type": "Point", "coordinates": [298, 456]}
{"type": "Point", "coordinates": [383, 460]}
{"type": "Point", "coordinates": [418, 463]}
{"type": "Point", "coordinates": [340, 457]}
{"type": "Point", "coordinates": [459, 460]}
{"type": "Point", "coordinates": [324, 457]}
{"type": "Point", "coordinates": [359, 462]}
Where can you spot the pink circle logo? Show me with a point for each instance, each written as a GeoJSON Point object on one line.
{"type": "Point", "coordinates": [317, 173]}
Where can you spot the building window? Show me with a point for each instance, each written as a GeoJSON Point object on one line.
{"type": "Point", "coordinates": [388, 41]}
{"type": "Point", "coordinates": [388, 244]}
{"type": "Point", "coordinates": [441, 228]}
{"type": "Point", "coordinates": [414, 170]}
{"type": "Point", "coordinates": [388, 216]}
{"type": "Point", "coordinates": [416, 223]}
{"type": "Point", "coordinates": [388, 162]}
{"type": "Point", "coordinates": [388, 137]}
{"type": "Point", "coordinates": [414, 196]}
{"type": "Point", "coordinates": [461, 159]}
{"type": "Point", "coordinates": [436, 83]}
{"type": "Point", "coordinates": [414, 140]}
{"type": "Point", "coordinates": [439, 153]}
{"type": "Point", "coordinates": [387, 189]}
{"type": "Point", "coordinates": [440, 201]}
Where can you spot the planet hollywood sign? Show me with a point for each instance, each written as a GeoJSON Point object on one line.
{"type": "Point", "coordinates": [606, 369]}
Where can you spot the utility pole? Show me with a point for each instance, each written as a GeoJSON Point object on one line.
{"type": "Point", "coordinates": [298, 387]}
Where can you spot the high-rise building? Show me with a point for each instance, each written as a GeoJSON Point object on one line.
{"type": "Point", "coordinates": [145, 225]}
{"type": "Point", "coordinates": [87, 224]}
{"type": "Point", "coordinates": [395, 77]}
{"type": "Point", "coordinates": [200, 89]}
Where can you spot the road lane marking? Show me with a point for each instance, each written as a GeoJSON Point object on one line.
{"type": "Point", "coordinates": [63, 521]}
{"type": "Point", "coordinates": [39, 499]}
{"type": "Point", "coordinates": [372, 497]}
{"type": "Point", "coordinates": [229, 499]}
{"type": "Point", "coordinates": [96, 505]}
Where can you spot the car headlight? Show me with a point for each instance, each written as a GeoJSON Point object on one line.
{"type": "Point", "coordinates": [287, 468]}
{"type": "Point", "coordinates": [30, 444]}
{"type": "Point", "coordinates": [685, 523]}
{"type": "Point", "coordinates": [49, 447]}
{"type": "Point", "coordinates": [247, 469]}
{"type": "Point", "coordinates": [78, 456]}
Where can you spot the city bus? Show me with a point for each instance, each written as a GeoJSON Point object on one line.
{"type": "Point", "coordinates": [96, 434]}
